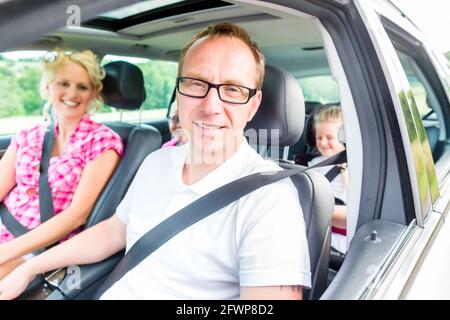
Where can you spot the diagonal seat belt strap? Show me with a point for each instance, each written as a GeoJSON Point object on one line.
{"type": "Point", "coordinates": [10, 222]}
{"type": "Point", "coordinates": [196, 211]}
{"type": "Point", "coordinates": [333, 173]}
{"type": "Point", "coordinates": [45, 196]}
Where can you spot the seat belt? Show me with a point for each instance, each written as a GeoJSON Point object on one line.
{"type": "Point", "coordinates": [45, 197]}
{"type": "Point", "coordinates": [333, 173]}
{"type": "Point", "coordinates": [198, 210]}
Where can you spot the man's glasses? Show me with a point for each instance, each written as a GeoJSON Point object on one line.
{"type": "Point", "coordinates": [230, 93]}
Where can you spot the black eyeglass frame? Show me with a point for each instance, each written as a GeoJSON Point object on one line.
{"type": "Point", "coordinates": [251, 94]}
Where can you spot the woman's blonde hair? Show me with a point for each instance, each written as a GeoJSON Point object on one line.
{"type": "Point", "coordinates": [86, 59]}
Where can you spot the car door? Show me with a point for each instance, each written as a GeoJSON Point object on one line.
{"type": "Point", "coordinates": [413, 268]}
{"type": "Point", "coordinates": [424, 272]}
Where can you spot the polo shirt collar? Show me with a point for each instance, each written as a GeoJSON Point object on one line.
{"type": "Point", "coordinates": [226, 172]}
{"type": "Point", "coordinates": [85, 118]}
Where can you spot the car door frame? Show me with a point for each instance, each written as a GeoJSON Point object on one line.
{"type": "Point", "coordinates": [400, 269]}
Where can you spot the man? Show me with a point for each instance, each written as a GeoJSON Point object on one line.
{"type": "Point", "coordinates": [255, 248]}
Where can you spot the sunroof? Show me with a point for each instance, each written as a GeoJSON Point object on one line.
{"type": "Point", "coordinates": [149, 10]}
{"type": "Point", "coordinates": [137, 8]}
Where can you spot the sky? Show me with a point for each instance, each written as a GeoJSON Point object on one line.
{"type": "Point", "coordinates": [432, 17]}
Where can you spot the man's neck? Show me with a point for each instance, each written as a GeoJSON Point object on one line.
{"type": "Point", "coordinates": [193, 173]}
{"type": "Point", "coordinates": [200, 164]}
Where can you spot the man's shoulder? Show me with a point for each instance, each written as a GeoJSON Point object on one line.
{"type": "Point", "coordinates": [164, 156]}
{"type": "Point", "coordinates": [256, 163]}
{"type": "Point", "coordinates": [276, 191]}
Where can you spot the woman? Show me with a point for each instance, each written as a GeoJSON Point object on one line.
{"type": "Point", "coordinates": [83, 158]}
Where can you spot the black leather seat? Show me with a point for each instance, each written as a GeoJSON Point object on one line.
{"type": "Point", "coordinates": [123, 89]}
{"type": "Point", "coordinates": [302, 146]}
{"type": "Point", "coordinates": [282, 109]}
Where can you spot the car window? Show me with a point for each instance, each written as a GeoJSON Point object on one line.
{"type": "Point", "coordinates": [417, 82]}
{"type": "Point", "coordinates": [425, 99]}
{"type": "Point", "coordinates": [20, 103]}
{"type": "Point", "coordinates": [159, 79]}
{"type": "Point", "coordinates": [321, 89]}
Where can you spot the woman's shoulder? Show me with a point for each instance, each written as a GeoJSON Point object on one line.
{"type": "Point", "coordinates": [98, 130]}
{"type": "Point", "coordinates": [31, 132]}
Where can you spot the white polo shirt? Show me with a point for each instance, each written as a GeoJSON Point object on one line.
{"type": "Point", "coordinates": [259, 240]}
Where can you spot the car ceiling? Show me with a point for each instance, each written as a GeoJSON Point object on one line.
{"type": "Point", "coordinates": [301, 53]}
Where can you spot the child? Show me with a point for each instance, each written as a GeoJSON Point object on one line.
{"type": "Point", "coordinates": [326, 125]}
{"type": "Point", "coordinates": [175, 129]}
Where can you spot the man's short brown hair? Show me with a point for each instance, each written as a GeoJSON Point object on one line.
{"type": "Point", "coordinates": [230, 30]}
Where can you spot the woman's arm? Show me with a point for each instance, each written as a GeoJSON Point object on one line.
{"type": "Point", "coordinates": [7, 172]}
{"type": "Point", "coordinates": [92, 245]}
{"type": "Point", "coordinates": [93, 179]}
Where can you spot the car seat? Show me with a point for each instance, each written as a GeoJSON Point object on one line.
{"type": "Point", "coordinates": [282, 109]}
{"type": "Point", "coordinates": [301, 146]}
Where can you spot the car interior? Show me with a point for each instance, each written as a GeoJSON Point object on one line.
{"type": "Point", "coordinates": [303, 75]}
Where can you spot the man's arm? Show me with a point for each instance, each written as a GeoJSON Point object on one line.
{"type": "Point", "coordinates": [92, 245]}
{"type": "Point", "coordinates": [272, 293]}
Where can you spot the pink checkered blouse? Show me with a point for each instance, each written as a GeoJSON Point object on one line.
{"type": "Point", "coordinates": [89, 140]}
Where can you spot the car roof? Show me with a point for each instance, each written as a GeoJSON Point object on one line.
{"type": "Point", "coordinates": [161, 32]}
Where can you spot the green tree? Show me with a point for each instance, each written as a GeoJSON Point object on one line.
{"type": "Point", "coordinates": [29, 83]}
{"type": "Point", "coordinates": [19, 87]}
{"type": "Point", "coordinates": [11, 102]}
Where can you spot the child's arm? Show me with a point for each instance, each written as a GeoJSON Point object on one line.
{"type": "Point", "coordinates": [339, 219]}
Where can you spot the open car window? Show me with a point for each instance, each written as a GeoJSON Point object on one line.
{"type": "Point", "coordinates": [21, 103]}
{"type": "Point", "coordinates": [159, 79]}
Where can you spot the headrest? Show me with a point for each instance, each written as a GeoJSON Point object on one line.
{"type": "Point", "coordinates": [123, 86]}
{"type": "Point", "coordinates": [282, 108]}
{"type": "Point", "coordinates": [311, 105]}
{"type": "Point", "coordinates": [310, 133]}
